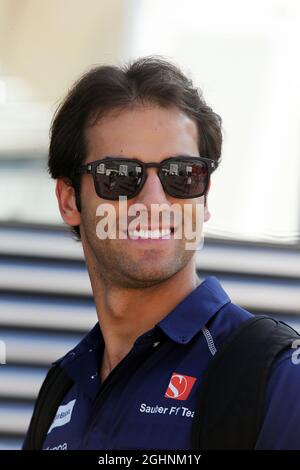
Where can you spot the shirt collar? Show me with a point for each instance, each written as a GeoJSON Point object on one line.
{"type": "Point", "coordinates": [194, 311]}
{"type": "Point", "coordinates": [180, 325]}
{"type": "Point", "coordinates": [91, 341]}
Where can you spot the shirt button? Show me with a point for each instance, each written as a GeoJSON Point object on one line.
{"type": "Point", "coordinates": [94, 376]}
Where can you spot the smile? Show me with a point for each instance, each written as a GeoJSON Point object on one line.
{"type": "Point", "coordinates": [152, 234]}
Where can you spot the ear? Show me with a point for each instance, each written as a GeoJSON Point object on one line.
{"type": "Point", "coordinates": [65, 194]}
{"type": "Point", "coordinates": [206, 210]}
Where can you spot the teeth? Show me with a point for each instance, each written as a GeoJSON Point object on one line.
{"type": "Point", "coordinates": [149, 233]}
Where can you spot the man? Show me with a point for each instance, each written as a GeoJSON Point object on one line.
{"type": "Point", "coordinates": [145, 133]}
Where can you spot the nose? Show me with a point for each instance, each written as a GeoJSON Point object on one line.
{"type": "Point", "coordinates": [153, 191]}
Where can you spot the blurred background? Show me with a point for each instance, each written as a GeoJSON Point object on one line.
{"type": "Point", "coordinates": [245, 57]}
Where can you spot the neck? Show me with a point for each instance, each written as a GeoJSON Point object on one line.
{"type": "Point", "coordinates": [126, 313]}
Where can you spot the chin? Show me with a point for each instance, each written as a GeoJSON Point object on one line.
{"type": "Point", "coordinates": [153, 276]}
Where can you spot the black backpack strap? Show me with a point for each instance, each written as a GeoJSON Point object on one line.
{"type": "Point", "coordinates": [51, 394]}
{"type": "Point", "coordinates": [230, 404]}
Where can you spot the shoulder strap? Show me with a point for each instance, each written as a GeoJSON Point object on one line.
{"type": "Point", "coordinates": [230, 404]}
{"type": "Point", "coordinates": [52, 392]}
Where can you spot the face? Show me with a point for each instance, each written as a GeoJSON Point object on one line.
{"type": "Point", "coordinates": [151, 134]}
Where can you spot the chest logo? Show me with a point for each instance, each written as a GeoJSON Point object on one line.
{"type": "Point", "coordinates": [63, 415]}
{"type": "Point", "coordinates": [180, 386]}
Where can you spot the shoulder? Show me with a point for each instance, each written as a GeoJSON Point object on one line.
{"type": "Point", "coordinates": [227, 320]}
{"type": "Point", "coordinates": [281, 422]}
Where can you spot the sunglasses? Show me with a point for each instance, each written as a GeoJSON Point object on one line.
{"type": "Point", "coordinates": [181, 177]}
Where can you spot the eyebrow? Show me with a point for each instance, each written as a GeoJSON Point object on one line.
{"type": "Point", "coordinates": [125, 157]}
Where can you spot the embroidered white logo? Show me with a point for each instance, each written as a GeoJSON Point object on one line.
{"type": "Point", "coordinates": [63, 415]}
{"type": "Point", "coordinates": [63, 446]}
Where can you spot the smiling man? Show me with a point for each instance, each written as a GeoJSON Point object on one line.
{"type": "Point", "coordinates": [142, 134]}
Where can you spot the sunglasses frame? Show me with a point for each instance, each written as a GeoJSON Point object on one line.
{"type": "Point", "coordinates": [91, 168]}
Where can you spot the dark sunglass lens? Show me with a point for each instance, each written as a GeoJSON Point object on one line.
{"type": "Point", "coordinates": [184, 178]}
{"type": "Point", "coordinates": [116, 178]}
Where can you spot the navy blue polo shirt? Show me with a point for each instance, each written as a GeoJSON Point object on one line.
{"type": "Point", "coordinates": [148, 400]}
